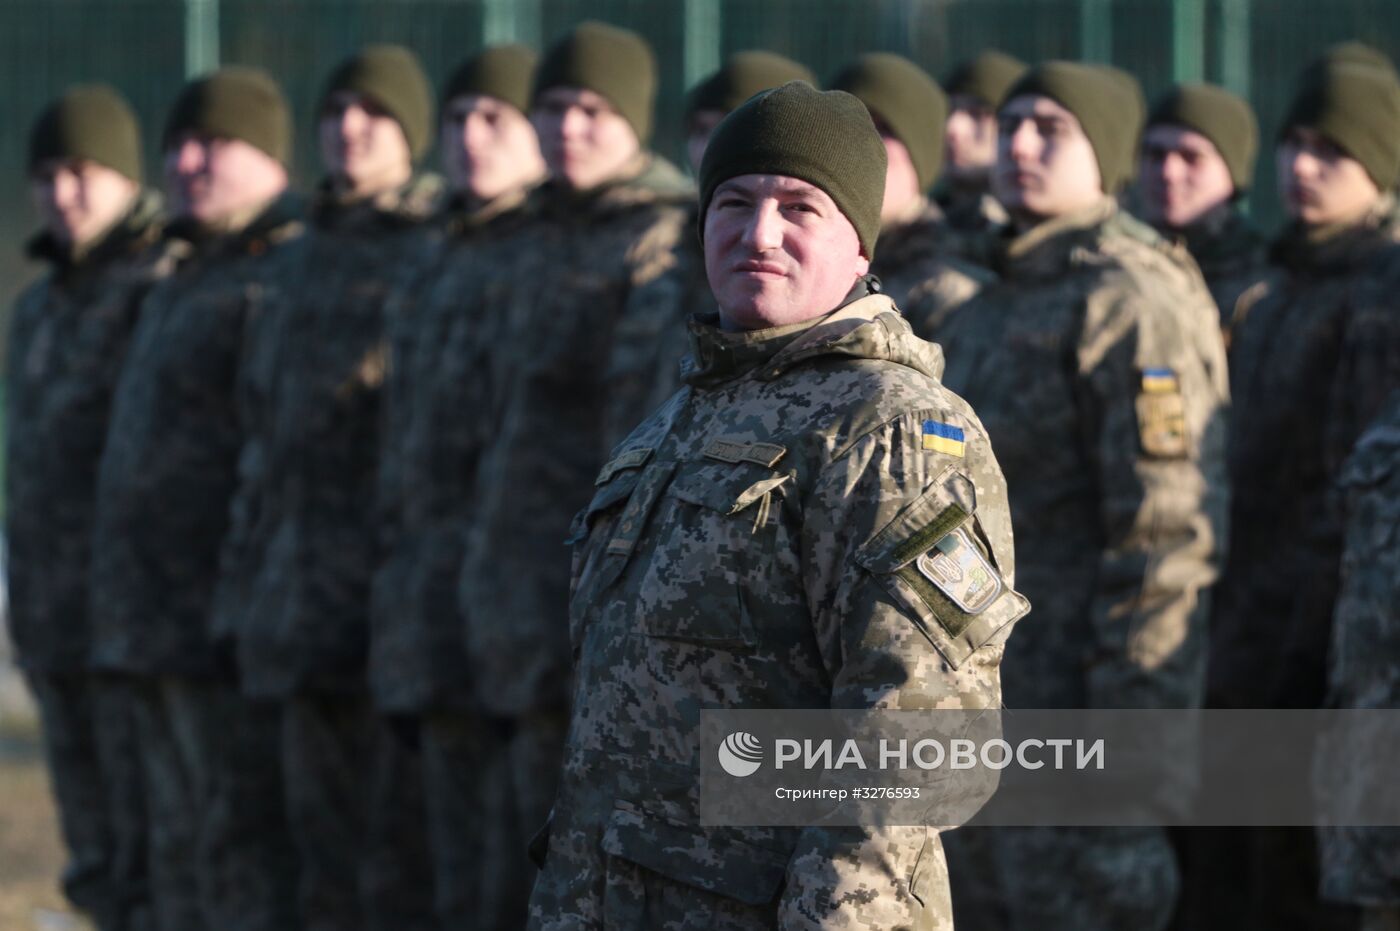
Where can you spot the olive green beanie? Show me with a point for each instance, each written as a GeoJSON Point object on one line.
{"type": "Point", "coordinates": [826, 139]}
{"type": "Point", "coordinates": [743, 75]}
{"type": "Point", "coordinates": [1350, 53]}
{"type": "Point", "coordinates": [1222, 117]}
{"type": "Point", "coordinates": [616, 63]}
{"type": "Point", "coordinates": [1108, 108]}
{"type": "Point", "coordinates": [1357, 107]}
{"type": "Point", "coordinates": [903, 96]}
{"type": "Point", "coordinates": [987, 77]}
{"type": "Point", "coordinates": [92, 122]}
{"type": "Point", "coordinates": [392, 77]}
{"type": "Point", "coordinates": [506, 72]}
{"type": "Point", "coordinates": [235, 103]}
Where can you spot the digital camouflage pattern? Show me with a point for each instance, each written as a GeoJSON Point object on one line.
{"type": "Point", "coordinates": [918, 266]}
{"type": "Point", "coordinates": [1361, 866]}
{"type": "Point", "coordinates": [1097, 366]}
{"type": "Point", "coordinates": [1233, 257]}
{"type": "Point", "coordinates": [753, 545]}
{"type": "Point", "coordinates": [169, 466]}
{"type": "Point", "coordinates": [555, 307]}
{"type": "Point", "coordinates": [302, 548]}
{"type": "Point", "coordinates": [1314, 356]}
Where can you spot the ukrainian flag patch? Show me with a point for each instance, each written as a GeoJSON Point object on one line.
{"type": "Point", "coordinates": [944, 438]}
{"type": "Point", "coordinates": [1159, 381]}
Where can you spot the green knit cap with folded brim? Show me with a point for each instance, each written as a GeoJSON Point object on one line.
{"type": "Point", "coordinates": [1356, 107]}
{"type": "Point", "coordinates": [616, 63]}
{"type": "Point", "coordinates": [505, 72]}
{"type": "Point", "coordinates": [1222, 117]}
{"type": "Point", "coordinates": [235, 103]}
{"type": "Point", "coordinates": [743, 75]}
{"type": "Point", "coordinates": [826, 139]}
{"type": "Point", "coordinates": [91, 122]}
{"type": "Point", "coordinates": [1108, 107]}
{"type": "Point", "coordinates": [392, 77]}
{"type": "Point", "coordinates": [902, 95]}
{"type": "Point", "coordinates": [987, 77]}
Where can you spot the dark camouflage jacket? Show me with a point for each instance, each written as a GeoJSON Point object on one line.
{"type": "Point", "coordinates": [971, 209]}
{"type": "Point", "coordinates": [754, 544]}
{"type": "Point", "coordinates": [1314, 356]}
{"type": "Point", "coordinates": [432, 438]}
{"type": "Point", "coordinates": [919, 267]}
{"type": "Point", "coordinates": [68, 336]}
{"type": "Point", "coordinates": [1106, 405]}
{"type": "Point", "coordinates": [1233, 257]}
{"type": "Point", "coordinates": [297, 565]}
{"type": "Point", "coordinates": [555, 307]}
{"type": "Point", "coordinates": [170, 464]}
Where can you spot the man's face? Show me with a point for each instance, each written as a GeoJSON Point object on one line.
{"type": "Point", "coordinates": [902, 190]}
{"type": "Point", "coordinates": [211, 179]}
{"type": "Point", "coordinates": [1181, 176]}
{"type": "Point", "coordinates": [585, 141]}
{"type": "Point", "coordinates": [78, 200]}
{"type": "Point", "coordinates": [1045, 164]}
{"type": "Point", "coordinates": [1321, 184]}
{"type": "Point", "coordinates": [970, 143]}
{"type": "Point", "coordinates": [702, 126]}
{"type": "Point", "coordinates": [488, 147]}
{"type": "Point", "coordinates": [362, 147]}
{"type": "Point", "coordinates": [778, 251]}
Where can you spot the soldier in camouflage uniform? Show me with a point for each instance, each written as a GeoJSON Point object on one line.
{"type": "Point", "coordinates": [68, 336]}
{"type": "Point", "coordinates": [418, 667]}
{"type": "Point", "coordinates": [1315, 354]}
{"type": "Point", "coordinates": [302, 550]}
{"type": "Point", "coordinates": [220, 854]}
{"type": "Point", "coordinates": [916, 264]}
{"type": "Point", "coordinates": [603, 225]}
{"type": "Point", "coordinates": [975, 89]}
{"type": "Point", "coordinates": [1107, 412]}
{"type": "Point", "coordinates": [1361, 866]}
{"type": "Point", "coordinates": [809, 460]}
{"type": "Point", "coordinates": [1196, 163]}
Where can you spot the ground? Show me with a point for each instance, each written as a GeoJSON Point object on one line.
{"type": "Point", "coordinates": [31, 856]}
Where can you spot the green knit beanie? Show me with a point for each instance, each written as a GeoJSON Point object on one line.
{"type": "Point", "coordinates": [987, 77]}
{"type": "Point", "coordinates": [392, 77]}
{"type": "Point", "coordinates": [235, 103]}
{"type": "Point", "coordinates": [826, 139]}
{"type": "Point", "coordinates": [92, 122]}
{"type": "Point", "coordinates": [1351, 53]}
{"type": "Point", "coordinates": [1223, 118]}
{"type": "Point", "coordinates": [616, 63]}
{"type": "Point", "coordinates": [1108, 110]}
{"type": "Point", "coordinates": [1357, 107]}
{"type": "Point", "coordinates": [505, 72]}
{"type": "Point", "coordinates": [743, 75]}
{"type": "Point", "coordinates": [908, 101]}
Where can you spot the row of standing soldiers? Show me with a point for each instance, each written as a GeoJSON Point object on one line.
{"type": "Point", "coordinates": [288, 477]}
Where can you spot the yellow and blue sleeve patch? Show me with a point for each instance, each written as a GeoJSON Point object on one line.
{"type": "Point", "coordinates": [944, 438]}
{"type": "Point", "coordinates": [1159, 381]}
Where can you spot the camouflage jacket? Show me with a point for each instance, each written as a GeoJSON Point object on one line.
{"type": "Point", "coordinates": [68, 336]}
{"type": "Point", "coordinates": [1233, 257]}
{"type": "Point", "coordinates": [918, 268]}
{"type": "Point", "coordinates": [1362, 865]}
{"type": "Point", "coordinates": [169, 468]}
{"type": "Point", "coordinates": [754, 544]}
{"type": "Point", "coordinates": [295, 580]}
{"type": "Point", "coordinates": [1107, 411]}
{"type": "Point", "coordinates": [971, 209]}
{"type": "Point", "coordinates": [1313, 358]}
{"type": "Point", "coordinates": [432, 437]}
{"type": "Point", "coordinates": [555, 307]}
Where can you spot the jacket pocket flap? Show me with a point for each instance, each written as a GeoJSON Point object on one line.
{"type": "Point", "coordinates": [940, 510]}
{"type": "Point", "coordinates": [724, 487]}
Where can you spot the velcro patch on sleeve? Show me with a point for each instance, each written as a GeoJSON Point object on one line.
{"type": "Point", "coordinates": [1162, 424]}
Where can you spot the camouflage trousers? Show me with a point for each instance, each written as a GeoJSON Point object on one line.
{"type": "Point", "coordinates": [490, 783]}
{"type": "Point", "coordinates": [355, 802]}
{"type": "Point", "coordinates": [221, 856]}
{"type": "Point", "coordinates": [89, 742]}
{"type": "Point", "coordinates": [1061, 879]}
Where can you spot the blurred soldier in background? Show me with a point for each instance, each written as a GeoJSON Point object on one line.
{"type": "Point", "coordinates": [1315, 355]}
{"type": "Point", "coordinates": [220, 853]}
{"type": "Point", "coordinates": [975, 89]}
{"type": "Point", "coordinates": [434, 431]}
{"type": "Point", "coordinates": [68, 336]}
{"type": "Point", "coordinates": [1109, 424]}
{"type": "Point", "coordinates": [1196, 164]}
{"type": "Point", "coordinates": [302, 551]}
